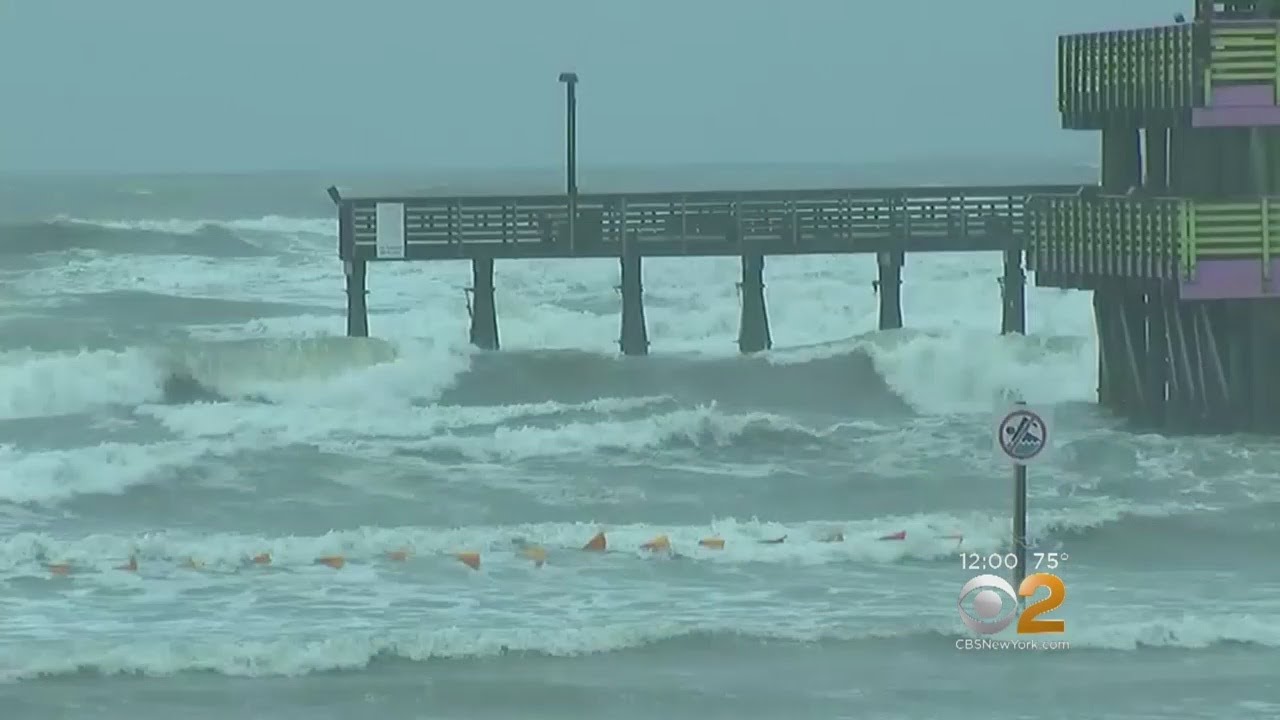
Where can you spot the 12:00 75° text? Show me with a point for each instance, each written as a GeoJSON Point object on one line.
{"type": "Point", "coordinates": [978, 562]}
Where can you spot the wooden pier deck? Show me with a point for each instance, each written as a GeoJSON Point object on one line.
{"type": "Point", "coordinates": [716, 223]}
{"type": "Point", "coordinates": [752, 225]}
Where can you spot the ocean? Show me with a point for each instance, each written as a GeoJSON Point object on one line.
{"type": "Point", "coordinates": [175, 388]}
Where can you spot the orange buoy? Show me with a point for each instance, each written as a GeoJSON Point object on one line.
{"type": "Point", "coordinates": [713, 543]}
{"type": "Point", "coordinates": [337, 562]}
{"type": "Point", "coordinates": [660, 543]}
{"type": "Point", "coordinates": [262, 559]}
{"type": "Point", "coordinates": [470, 559]}
{"type": "Point", "coordinates": [398, 555]}
{"type": "Point", "coordinates": [833, 536]}
{"type": "Point", "coordinates": [900, 535]}
{"type": "Point", "coordinates": [774, 541]}
{"type": "Point", "coordinates": [596, 544]}
{"type": "Point", "coordinates": [535, 553]}
{"type": "Point", "coordinates": [60, 569]}
{"type": "Point", "coordinates": [131, 566]}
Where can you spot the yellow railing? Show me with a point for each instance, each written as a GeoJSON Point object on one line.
{"type": "Point", "coordinates": [1243, 53]}
{"type": "Point", "coordinates": [1154, 69]}
{"type": "Point", "coordinates": [1229, 229]}
{"type": "Point", "coordinates": [1095, 231]}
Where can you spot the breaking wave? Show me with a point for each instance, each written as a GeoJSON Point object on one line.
{"type": "Point", "coordinates": [297, 656]}
{"type": "Point", "coordinates": [53, 236]}
{"type": "Point", "coordinates": [876, 376]}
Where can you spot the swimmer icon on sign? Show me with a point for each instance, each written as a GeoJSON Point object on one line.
{"type": "Point", "coordinates": [1022, 435]}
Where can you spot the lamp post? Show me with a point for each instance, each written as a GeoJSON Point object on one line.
{"type": "Point", "coordinates": [570, 81]}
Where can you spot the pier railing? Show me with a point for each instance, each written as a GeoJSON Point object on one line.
{"type": "Point", "coordinates": [1153, 74]}
{"type": "Point", "coordinates": [1243, 52]}
{"type": "Point", "coordinates": [693, 223]}
{"type": "Point", "coordinates": [1153, 238]}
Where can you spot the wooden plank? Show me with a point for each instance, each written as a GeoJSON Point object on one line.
{"type": "Point", "coordinates": [668, 247]}
{"type": "Point", "coordinates": [1127, 71]}
{"type": "Point", "coordinates": [697, 223]}
{"type": "Point", "coordinates": [1103, 236]}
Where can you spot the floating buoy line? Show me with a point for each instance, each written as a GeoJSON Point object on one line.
{"type": "Point", "coordinates": [538, 555]}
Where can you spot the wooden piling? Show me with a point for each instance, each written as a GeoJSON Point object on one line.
{"type": "Point", "coordinates": [753, 330]}
{"type": "Point", "coordinates": [1013, 294]}
{"type": "Point", "coordinates": [889, 287]}
{"type": "Point", "coordinates": [357, 292]}
{"type": "Point", "coordinates": [634, 338]}
{"type": "Point", "coordinates": [484, 312]}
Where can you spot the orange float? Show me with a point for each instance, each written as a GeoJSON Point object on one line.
{"type": "Point", "coordinates": [660, 543]}
{"type": "Point", "coordinates": [535, 553]}
{"type": "Point", "coordinates": [597, 543]}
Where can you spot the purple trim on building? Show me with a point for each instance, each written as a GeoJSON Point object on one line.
{"type": "Point", "coordinates": [1254, 116]}
{"type": "Point", "coordinates": [1243, 95]}
{"type": "Point", "coordinates": [1230, 280]}
{"type": "Point", "coordinates": [1241, 22]}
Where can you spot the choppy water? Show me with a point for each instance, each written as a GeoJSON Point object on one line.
{"type": "Point", "coordinates": [173, 386]}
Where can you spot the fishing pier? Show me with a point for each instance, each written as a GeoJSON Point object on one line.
{"type": "Point", "coordinates": [750, 225]}
{"type": "Point", "coordinates": [1177, 242]}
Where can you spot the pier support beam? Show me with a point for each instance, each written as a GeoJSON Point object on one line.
{"type": "Point", "coordinates": [1156, 363]}
{"type": "Point", "coordinates": [1131, 333]}
{"type": "Point", "coordinates": [1120, 316]}
{"type": "Point", "coordinates": [1013, 294]}
{"type": "Point", "coordinates": [1121, 159]}
{"type": "Point", "coordinates": [1103, 329]}
{"type": "Point", "coordinates": [1213, 323]}
{"type": "Point", "coordinates": [889, 287]}
{"type": "Point", "coordinates": [357, 292]}
{"type": "Point", "coordinates": [1187, 413]}
{"type": "Point", "coordinates": [1156, 159]}
{"type": "Point", "coordinates": [753, 331]}
{"type": "Point", "coordinates": [484, 314]}
{"type": "Point", "coordinates": [1221, 369]}
{"type": "Point", "coordinates": [634, 339]}
{"type": "Point", "coordinates": [1260, 326]}
{"type": "Point", "coordinates": [1136, 339]}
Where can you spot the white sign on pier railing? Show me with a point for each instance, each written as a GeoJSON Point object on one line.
{"type": "Point", "coordinates": [389, 226]}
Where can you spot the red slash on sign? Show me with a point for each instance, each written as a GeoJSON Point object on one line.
{"type": "Point", "coordinates": [1022, 435]}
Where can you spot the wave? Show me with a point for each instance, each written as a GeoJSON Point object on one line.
{"type": "Point", "coordinates": [959, 370]}
{"type": "Point", "coordinates": [880, 375]}
{"type": "Point", "coordinates": [206, 239]}
{"type": "Point", "coordinates": [929, 536]}
{"type": "Point", "coordinates": [846, 384]}
{"type": "Point", "coordinates": [305, 655]}
{"type": "Point", "coordinates": [35, 384]}
{"type": "Point", "coordinates": [1198, 533]}
{"type": "Point", "coordinates": [53, 476]}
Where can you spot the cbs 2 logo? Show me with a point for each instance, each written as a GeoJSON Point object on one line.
{"type": "Point", "coordinates": [988, 604]}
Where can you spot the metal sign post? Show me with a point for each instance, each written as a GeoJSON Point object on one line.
{"type": "Point", "coordinates": [1022, 435]}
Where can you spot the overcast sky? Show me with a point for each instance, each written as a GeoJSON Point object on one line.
{"type": "Point", "coordinates": [190, 85]}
